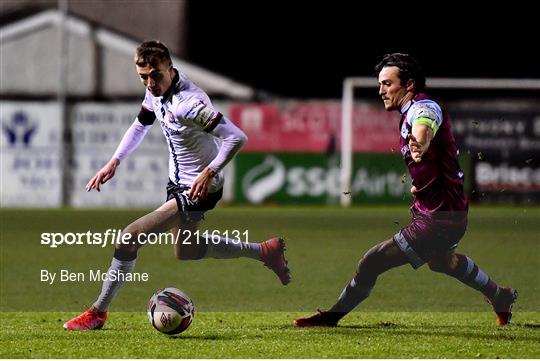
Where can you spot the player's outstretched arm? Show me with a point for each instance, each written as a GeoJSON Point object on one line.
{"type": "Point", "coordinates": [131, 140]}
{"type": "Point", "coordinates": [103, 175]}
{"type": "Point", "coordinates": [419, 140]}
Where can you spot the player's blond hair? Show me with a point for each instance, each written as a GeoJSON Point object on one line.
{"type": "Point", "coordinates": [153, 53]}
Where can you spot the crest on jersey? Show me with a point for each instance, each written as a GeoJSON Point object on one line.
{"type": "Point", "coordinates": [404, 130]}
{"type": "Point", "coordinates": [170, 117]}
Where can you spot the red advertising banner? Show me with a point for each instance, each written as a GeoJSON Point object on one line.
{"type": "Point", "coordinates": [314, 126]}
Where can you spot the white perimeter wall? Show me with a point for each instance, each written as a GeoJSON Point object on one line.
{"type": "Point", "coordinates": [31, 156]}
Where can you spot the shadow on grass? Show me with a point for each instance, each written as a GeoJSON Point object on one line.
{"type": "Point", "coordinates": [528, 325]}
{"type": "Point", "coordinates": [212, 337]}
{"type": "Point", "coordinates": [442, 331]}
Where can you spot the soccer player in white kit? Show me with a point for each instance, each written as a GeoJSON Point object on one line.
{"type": "Point", "coordinates": [201, 142]}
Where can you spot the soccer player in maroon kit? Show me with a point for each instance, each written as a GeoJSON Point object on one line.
{"type": "Point", "coordinates": [439, 210]}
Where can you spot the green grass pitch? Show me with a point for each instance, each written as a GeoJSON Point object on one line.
{"type": "Point", "coordinates": [244, 312]}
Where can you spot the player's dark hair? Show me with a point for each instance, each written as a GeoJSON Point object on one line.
{"type": "Point", "coordinates": [152, 52]}
{"type": "Point", "coordinates": [409, 69]}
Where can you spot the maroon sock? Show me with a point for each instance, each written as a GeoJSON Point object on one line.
{"type": "Point", "coordinates": [469, 273]}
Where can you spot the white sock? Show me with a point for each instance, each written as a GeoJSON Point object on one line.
{"type": "Point", "coordinates": [111, 288]}
{"type": "Point", "coordinates": [221, 247]}
{"type": "Point", "coordinates": [350, 297]}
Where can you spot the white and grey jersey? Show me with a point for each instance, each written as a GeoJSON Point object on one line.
{"type": "Point", "coordinates": [198, 136]}
{"type": "Point", "coordinates": [421, 109]}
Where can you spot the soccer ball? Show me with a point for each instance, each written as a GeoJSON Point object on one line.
{"type": "Point", "coordinates": [170, 311]}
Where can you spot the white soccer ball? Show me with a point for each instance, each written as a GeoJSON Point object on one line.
{"type": "Point", "coordinates": [170, 311]}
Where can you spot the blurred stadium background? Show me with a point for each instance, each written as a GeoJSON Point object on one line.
{"type": "Point", "coordinates": [68, 92]}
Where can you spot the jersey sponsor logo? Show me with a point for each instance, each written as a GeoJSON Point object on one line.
{"type": "Point", "coordinates": [405, 151]}
{"type": "Point", "coordinates": [195, 108]}
{"type": "Point", "coordinates": [170, 131]}
{"type": "Point", "coordinates": [404, 130]}
{"type": "Point", "coordinates": [170, 117]}
{"type": "Point", "coordinates": [202, 115]}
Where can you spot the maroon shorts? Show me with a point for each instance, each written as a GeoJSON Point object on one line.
{"type": "Point", "coordinates": [430, 234]}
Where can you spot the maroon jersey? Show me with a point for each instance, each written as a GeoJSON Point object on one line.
{"type": "Point", "coordinates": [437, 177]}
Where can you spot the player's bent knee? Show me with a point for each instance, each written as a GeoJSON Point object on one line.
{"type": "Point", "coordinates": [177, 253]}
{"type": "Point", "coordinates": [129, 247]}
{"type": "Point", "coordinates": [379, 258]}
{"type": "Point", "coordinates": [189, 252]}
{"type": "Point", "coordinates": [440, 266]}
{"type": "Point", "coordinates": [369, 261]}
{"type": "Point", "coordinates": [436, 267]}
{"type": "Point", "coordinates": [366, 262]}
{"type": "Point", "coordinates": [445, 264]}
{"type": "Point", "coordinates": [129, 243]}
{"type": "Point", "coordinates": [185, 253]}
{"type": "Point", "coordinates": [136, 237]}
